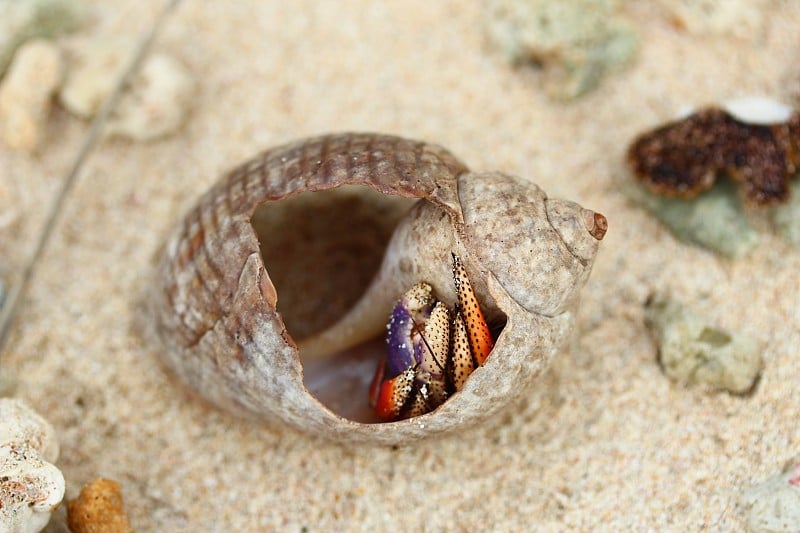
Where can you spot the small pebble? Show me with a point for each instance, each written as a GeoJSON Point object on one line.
{"type": "Point", "coordinates": [758, 110]}
{"type": "Point", "coordinates": [30, 486]}
{"type": "Point", "coordinates": [693, 351]}
{"type": "Point", "coordinates": [774, 505]}
{"type": "Point", "coordinates": [157, 102]}
{"type": "Point", "coordinates": [576, 42]}
{"type": "Point", "coordinates": [714, 220]}
{"type": "Point", "coordinates": [99, 508]}
{"type": "Point", "coordinates": [26, 94]}
{"type": "Point", "coordinates": [22, 20]}
{"type": "Point", "coordinates": [95, 67]}
{"type": "Point", "coordinates": [154, 105]}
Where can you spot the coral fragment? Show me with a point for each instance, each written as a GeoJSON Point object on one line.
{"type": "Point", "coordinates": [693, 351]}
{"type": "Point", "coordinates": [683, 158]}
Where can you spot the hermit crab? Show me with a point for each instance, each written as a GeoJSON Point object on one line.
{"type": "Point", "coordinates": [429, 354]}
{"type": "Point", "coordinates": [271, 297]}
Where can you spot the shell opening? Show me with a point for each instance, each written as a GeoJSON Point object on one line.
{"type": "Point", "coordinates": [322, 250]}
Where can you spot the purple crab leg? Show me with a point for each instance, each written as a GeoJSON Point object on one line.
{"type": "Point", "coordinates": [399, 350]}
{"type": "Point", "coordinates": [411, 311]}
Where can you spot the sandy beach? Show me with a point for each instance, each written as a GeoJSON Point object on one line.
{"type": "Point", "coordinates": [603, 442]}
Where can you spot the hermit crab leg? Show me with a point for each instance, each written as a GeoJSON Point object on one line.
{"type": "Point", "coordinates": [433, 354]}
{"type": "Point", "coordinates": [461, 364]}
{"type": "Point", "coordinates": [419, 403]}
{"type": "Point", "coordinates": [480, 338]}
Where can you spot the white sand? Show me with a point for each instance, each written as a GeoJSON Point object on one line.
{"type": "Point", "coordinates": [605, 441]}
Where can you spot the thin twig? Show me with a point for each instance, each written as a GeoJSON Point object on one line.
{"type": "Point", "coordinates": [9, 309]}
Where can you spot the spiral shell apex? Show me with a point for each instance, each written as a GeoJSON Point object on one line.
{"type": "Point", "coordinates": [270, 293]}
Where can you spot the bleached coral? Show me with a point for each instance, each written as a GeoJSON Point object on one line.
{"type": "Point", "coordinates": [26, 94]}
{"type": "Point", "coordinates": [692, 350]}
{"type": "Point", "coordinates": [575, 42]}
{"type": "Point", "coordinates": [31, 487]}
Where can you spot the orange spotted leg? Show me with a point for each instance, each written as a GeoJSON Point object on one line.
{"type": "Point", "coordinates": [480, 338]}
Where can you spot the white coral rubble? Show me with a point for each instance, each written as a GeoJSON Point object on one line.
{"type": "Point", "coordinates": [774, 505]}
{"type": "Point", "coordinates": [26, 94]}
{"type": "Point", "coordinates": [31, 487]}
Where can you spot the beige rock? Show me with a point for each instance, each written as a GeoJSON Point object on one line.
{"type": "Point", "coordinates": [26, 94]}
{"type": "Point", "coordinates": [95, 67]}
{"type": "Point", "coordinates": [157, 102]}
{"type": "Point", "coordinates": [154, 105]}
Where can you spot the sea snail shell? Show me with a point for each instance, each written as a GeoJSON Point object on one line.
{"type": "Point", "coordinates": [221, 319]}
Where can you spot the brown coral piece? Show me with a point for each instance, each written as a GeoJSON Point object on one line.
{"type": "Point", "coordinates": [98, 509]}
{"type": "Point", "coordinates": [683, 158]}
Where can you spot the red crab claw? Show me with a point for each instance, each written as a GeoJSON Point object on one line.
{"type": "Point", "coordinates": [480, 338]}
{"type": "Point", "coordinates": [391, 395]}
